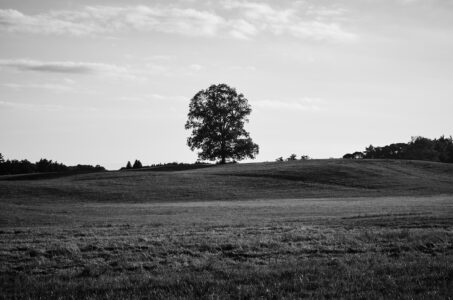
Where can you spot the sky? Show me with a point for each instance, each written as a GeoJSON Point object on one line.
{"type": "Point", "coordinates": [106, 82]}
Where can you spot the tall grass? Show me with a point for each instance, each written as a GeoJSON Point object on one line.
{"type": "Point", "coordinates": [338, 248]}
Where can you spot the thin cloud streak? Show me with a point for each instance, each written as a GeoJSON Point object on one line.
{"type": "Point", "coordinates": [35, 107]}
{"type": "Point", "coordinates": [40, 86]}
{"type": "Point", "coordinates": [154, 97]}
{"type": "Point", "coordinates": [53, 66]}
{"type": "Point", "coordinates": [32, 107]}
{"type": "Point", "coordinates": [305, 104]}
{"type": "Point", "coordinates": [69, 67]}
{"type": "Point", "coordinates": [137, 73]}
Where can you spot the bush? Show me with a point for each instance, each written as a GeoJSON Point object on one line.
{"type": "Point", "coordinates": [292, 157]}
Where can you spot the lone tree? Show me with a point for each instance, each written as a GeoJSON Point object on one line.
{"type": "Point", "coordinates": [216, 118]}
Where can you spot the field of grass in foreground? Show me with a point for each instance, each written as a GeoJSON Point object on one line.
{"type": "Point", "coordinates": [312, 229]}
{"type": "Point", "coordinates": [386, 247]}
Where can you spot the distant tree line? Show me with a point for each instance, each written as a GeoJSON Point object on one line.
{"type": "Point", "coordinates": [419, 148]}
{"type": "Point", "coordinates": [197, 163]}
{"type": "Point", "coordinates": [292, 157]}
{"type": "Point", "coordinates": [14, 166]}
{"type": "Point", "coordinates": [137, 165]}
{"type": "Point", "coordinates": [171, 165]}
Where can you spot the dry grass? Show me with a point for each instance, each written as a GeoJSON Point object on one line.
{"type": "Point", "coordinates": [315, 229]}
{"type": "Point", "coordinates": [395, 247]}
{"type": "Point", "coordinates": [298, 179]}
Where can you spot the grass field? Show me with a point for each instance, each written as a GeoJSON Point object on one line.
{"type": "Point", "coordinates": [319, 229]}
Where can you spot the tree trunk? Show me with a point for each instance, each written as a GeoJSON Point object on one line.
{"type": "Point", "coordinates": [222, 150]}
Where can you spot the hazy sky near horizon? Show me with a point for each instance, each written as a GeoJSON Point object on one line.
{"type": "Point", "coordinates": [104, 82]}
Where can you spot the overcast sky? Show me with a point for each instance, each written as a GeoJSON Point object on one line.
{"type": "Point", "coordinates": [104, 82]}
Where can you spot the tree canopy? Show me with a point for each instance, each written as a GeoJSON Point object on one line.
{"type": "Point", "coordinates": [419, 148]}
{"type": "Point", "coordinates": [137, 164]}
{"type": "Point", "coordinates": [14, 166]}
{"type": "Point", "coordinates": [216, 117]}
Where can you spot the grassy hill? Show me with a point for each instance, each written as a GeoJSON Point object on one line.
{"type": "Point", "coordinates": [274, 180]}
{"type": "Point", "coordinates": [335, 229]}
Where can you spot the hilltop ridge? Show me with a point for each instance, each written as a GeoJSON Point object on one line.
{"type": "Point", "coordinates": [272, 180]}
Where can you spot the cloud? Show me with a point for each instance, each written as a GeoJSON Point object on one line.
{"type": "Point", "coordinates": [169, 97]}
{"type": "Point", "coordinates": [92, 20]}
{"type": "Point", "coordinates": [196, 67]}
{"type": "Point", "coordinates": [51, 67]}
{"type": "Point", "coordinates": [304, 104]}
{"type": "Point", "coordinates": [299, 20]}
{"type": "Point", "coordinates": [103, 70]}
{"type": "Point", "coordinates": [232, 19]}
{"type": "Point", "coordinates": [33, 107]}
{"type": "Point", "coordinates": [68, 67]}
{"type": "Point", "coordinates": [41, 86]}
{"type": "Point", "coordinates": [148, 98]}
{"type": "Point", "coordinates": [242, 29]}
{"type": "Point", "coordinates": [242, 68]}
{"type": "Point", "coordinates": [161, 57]}
{"type": "Point", "coordinates": [45, 107]}
{"type": "Point", "coordinates": [260, 11]}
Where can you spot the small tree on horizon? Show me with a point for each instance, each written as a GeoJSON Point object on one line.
{"type": "Point", "coordinates": [292, 157]}
{"type": "Point", "coordinates": [128, 166]}
{"type": "Point", "coordinates": [216, 117]}
{"type": "Point", "coordinates": [137, 164]}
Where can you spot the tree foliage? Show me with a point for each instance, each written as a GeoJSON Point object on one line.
{"type": "Point", "coordinates": [216, 117]}
{"type": "Point", "coordinates": [137, 164]}
{"type": "Point", "coordinates": [292, 157]}
{"type": "Point", "coordinates": [355, 155]}
{"type": "Point", "coordinates": [419, 148]}
{"type": "Point", "coordinates": [14, 166]}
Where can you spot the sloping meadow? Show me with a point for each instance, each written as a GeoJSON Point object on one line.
{"type": "Point", "coordinates": [298, 179]}
{"type": "Point", "coordinates": [304, 229]}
